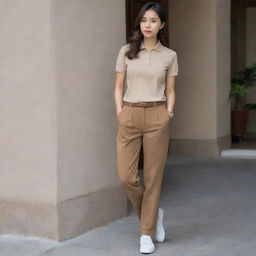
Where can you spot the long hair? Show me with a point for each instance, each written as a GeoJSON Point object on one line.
{"type": "Point", "coordinates": [137, 37]}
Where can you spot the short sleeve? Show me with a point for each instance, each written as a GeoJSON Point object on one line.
{"type": "Point", "coordinates": [173, 68]}
{"type": "Point", "coordinates": [120, 62]}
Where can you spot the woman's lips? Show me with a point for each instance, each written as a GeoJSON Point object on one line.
{"type": "Point", "coordinates": [147, 31]}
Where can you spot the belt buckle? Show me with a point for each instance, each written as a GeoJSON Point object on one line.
{"type": "Point", "coordinates": [143, 103]}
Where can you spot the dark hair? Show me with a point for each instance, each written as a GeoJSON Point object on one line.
{"type": "Point", "coordinates": [136, 39]}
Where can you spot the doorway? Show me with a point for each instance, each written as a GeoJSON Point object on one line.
{"type": "Point", "coordinates": [243, 55]}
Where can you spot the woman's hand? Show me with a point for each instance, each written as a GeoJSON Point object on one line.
{"type": "Point", "coordinates": [170, 114]}
{"type": "Point", "coordinates": [118, 112]}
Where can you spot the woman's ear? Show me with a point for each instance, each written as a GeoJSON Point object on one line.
{"type": "Point", "coordinates": [162, 25]}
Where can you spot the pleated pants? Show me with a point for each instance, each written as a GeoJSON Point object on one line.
{"type": "Point", "coordinates": [149, 125]}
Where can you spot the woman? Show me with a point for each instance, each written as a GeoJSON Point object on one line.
{"type": "Point", "coordinates": [143, 114]}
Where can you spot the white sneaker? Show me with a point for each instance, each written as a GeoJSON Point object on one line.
{"type": "Point", "coordinates": [160, 232]}
{"type": "Point", "coordinates": [146, 244]}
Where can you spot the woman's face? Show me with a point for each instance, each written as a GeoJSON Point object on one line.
{"type": "Point", "coordinates": [150, 24]}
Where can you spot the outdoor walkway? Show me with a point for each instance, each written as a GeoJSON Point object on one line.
{"type": "Point", "coordinates": [210, 210]}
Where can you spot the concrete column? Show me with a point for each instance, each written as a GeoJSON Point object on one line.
{"type": "Point", "coordinates": [200, 34]}
{"type": "Point", "coordinates": [28, 151]}
{"type": "Point", "coordinates": [58, 131]}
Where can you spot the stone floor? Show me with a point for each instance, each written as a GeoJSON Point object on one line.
{"type": "Point", "coordinates": [210, 210]}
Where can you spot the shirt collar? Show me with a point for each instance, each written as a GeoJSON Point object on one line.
{"type": "Point", "coordinates": [157, 47]}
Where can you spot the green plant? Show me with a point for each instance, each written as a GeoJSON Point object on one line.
{"type": "Point", "coordinates": [238, 93]}
{"type": "Point", "coordinates": [239, 84]}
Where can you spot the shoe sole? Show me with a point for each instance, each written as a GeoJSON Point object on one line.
{"type": "Point", "coordinates": [141, 251]}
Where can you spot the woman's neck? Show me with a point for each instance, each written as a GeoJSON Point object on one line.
{"type": "Point", "coordinates": [149, 43]}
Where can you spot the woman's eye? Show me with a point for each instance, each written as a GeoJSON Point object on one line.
{"type": "Point", "coordinates": [154, 21]}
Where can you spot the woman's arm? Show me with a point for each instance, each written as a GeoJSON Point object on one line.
{"type": "Point", "coordinates": [170, 92]}
{"type": "Point", "coordinates": [119, 90]}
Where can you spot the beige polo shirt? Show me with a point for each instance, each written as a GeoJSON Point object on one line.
{"type": "Point", "coordinates": [146, 76]}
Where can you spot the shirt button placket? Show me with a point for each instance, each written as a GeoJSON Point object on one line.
{"type": "Point", "coordinates": [148, 59]}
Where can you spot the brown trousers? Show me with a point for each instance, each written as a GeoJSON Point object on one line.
{"type": "Point", "coordinates": [150, 124]}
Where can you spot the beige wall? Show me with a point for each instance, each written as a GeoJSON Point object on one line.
{"type": "Point", "coordinates": [198, 34]}
{"type": "Point", "coordinates": [87, 36]}
{"type": "Point", "coordinates": [28, 103]}
{"type": "Point", "coordinates": [85, 56]}
{"type": "Point", "coordinates": [58, 167]}
{"type": "Point", "coordinates": [223, 68]}
{"type": "Point", "coordinates": [28, 152]}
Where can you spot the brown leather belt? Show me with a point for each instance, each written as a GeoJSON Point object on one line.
{"type": "Point", "coordinates": [144, 104]}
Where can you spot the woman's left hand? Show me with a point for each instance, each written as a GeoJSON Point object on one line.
{"type": "Point", "coordinates": [170, 114]}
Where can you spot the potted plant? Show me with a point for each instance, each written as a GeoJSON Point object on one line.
{"type": "Point", "coordinates": [239, 109]}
